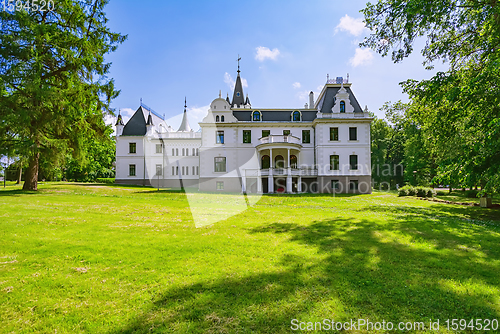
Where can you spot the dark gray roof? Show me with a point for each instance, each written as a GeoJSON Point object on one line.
{"type": "Point", "coordinates": [238, 87]}
{"type": "Point", "coordinates": [136, 125]}
{"type": "Point", "coordinates": [330, 94]}
{"type": "Point", "coordinates": [119, 120]}
{"type": "Point", "coordinates": [150, 120]}
{"type": "Point", "coordinates": [308, 115]}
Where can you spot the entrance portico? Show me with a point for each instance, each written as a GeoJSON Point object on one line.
{"type": "Point", "coordinates": [279, 161]}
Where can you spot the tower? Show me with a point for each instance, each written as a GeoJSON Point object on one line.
{"type": "Point", "coordinates": [238, 97]}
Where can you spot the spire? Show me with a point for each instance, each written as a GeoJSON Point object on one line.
{"type": "Point", "coordinates": [119, 120]}
{"type": "Point", "coordinates": [238, 97]}
{"type": "Point", "coordinates": [150, 119]}
{"type": "Point", "coordinates": [227, 99]}
{"type": "Point", "coordinates": [247, 101]}
{"type": "Point", "coordinates": [184, 124]}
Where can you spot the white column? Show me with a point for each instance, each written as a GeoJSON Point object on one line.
{"type": "Point", "coordinates": [299, 184]}
{"type": "Point", "coordinates": [270, 179]}
{"type": "Point", "coordinates": [288, 175]}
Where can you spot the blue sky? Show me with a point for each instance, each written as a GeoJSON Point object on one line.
{"type": "Point", "coordinates": [189, 48]}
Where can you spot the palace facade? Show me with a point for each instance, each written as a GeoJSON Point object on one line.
{"type": "Point", "coordinates": [323, 147]}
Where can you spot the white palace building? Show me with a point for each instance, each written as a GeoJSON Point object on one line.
{"type": "Point", "coordinates": [323, 147]}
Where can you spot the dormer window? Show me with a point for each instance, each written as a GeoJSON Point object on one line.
{"type": "Point", "coordinates": [256, 116]}
{"type": "Point", "coordinates": [296, 116]}
{"type": "Point", "coordinates": [217, 118]}
{"type": "Point", "coordinates": [342, 106]}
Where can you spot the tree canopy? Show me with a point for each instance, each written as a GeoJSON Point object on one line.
{"type": "Point", "coordinates": [53, 80]}
{"type": "Point", "coordinates": [457, 111]}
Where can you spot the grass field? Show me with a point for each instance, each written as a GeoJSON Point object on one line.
{"type": "Point", "coordinates": [120, 259]}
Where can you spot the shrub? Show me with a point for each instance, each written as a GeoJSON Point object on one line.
{"type": "Point", "coordinates": [403, 191]}
{"type": "Point", "coordinates": [412, 191]}
{"type": "Point", "coordinates": [105, 180]}
{"type": "Point", "coordinates": [421, 191]}
{"type": "Point", "coordinates": [431, 192]}
{"type": "Point", "coordinates": [471, 193]}
{"type": "Point", "coordinates": [441, 193]}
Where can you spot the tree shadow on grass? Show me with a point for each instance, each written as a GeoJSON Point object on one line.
{"type": "Point", "coordinates": [361, 269]}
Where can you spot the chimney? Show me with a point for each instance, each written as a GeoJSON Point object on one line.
{"type": "Point", "coordinates": [311, 100]}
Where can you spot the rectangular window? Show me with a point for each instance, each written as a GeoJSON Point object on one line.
{"type": "Point", "coordinates": [197, 170]}
{"type": "Point", "coordinates": [182, 170]}
{"type": "Point", "coordinates": [131, 170]}
{"type": "Point", "coordinates": [334, 162]}
{"type": "Point", "coordinates": [177, 170]}
{"type": "Point", "coordinates": [353, 133]}
{"type": "Point", "coordinates": [219, 138]}
{"type": "Point", "coordinates": [334, 134]}
{"type": "Point", "coordinates": [266, 133]}
{"type": "Point", "coordinates": [194, 152]}
{"type": "Point", "coordinates": [173, 170]}
{"type": "Point", "coordinates": [286, 132]}
{"type": "Point", "coordinates": [132, 148]}
{"type": "Point", "coordinates": [173, 152]}
{"type": "Point", "coordinates": [247, 136]}
{"type": "Point", "coordinates": [187, 170]}
{"type": "Point", "coordinates": [193, 171]}
{"type": "Point", "coordinates": [353, 185]}
{"type": "Point", "coordinates": [353, 161]}
{"type": "Point", "coordinates": [220, 164]}
{"type": "Point", "coordinates": [220, 185]}
{"type": "Point", "coordinates": [335, 185]}
{"type": "Point", "coordinates": [306, 136]}
{"type": "Point", "coordinates": [159, 149]}
{"type": "Point", "coordinates": [158, 170]}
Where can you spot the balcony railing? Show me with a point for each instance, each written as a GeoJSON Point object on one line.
{"type": "Point", "coordinates": [281, 172]}
{"type": "Point", "coordinates": [279, 139]}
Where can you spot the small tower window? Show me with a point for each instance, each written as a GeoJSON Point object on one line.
{"type": "Point", "coordinates": [342, 106]}
{"type": "Point", "coordinates": [222, 118]}
{"type": "Point", "coordinates": [217, 118]}
{"type": "Point", "coordinates": [256, 116]}
{"type": "Point", "coordinates": [296, 116]}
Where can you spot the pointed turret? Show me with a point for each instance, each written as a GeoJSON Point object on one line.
{"type": "Point", "coordinates": [247, 101]}
{"type": "Point", "coordinates": [238, 97]}
{"type": "Point", "coordinates": [149, 125]}
{"type": "Point", "coordinates": [184, 124]}
{"type": "Point", "coordinates": [119, 124]}
{"type": "Point", "coordinates": [227, 99]}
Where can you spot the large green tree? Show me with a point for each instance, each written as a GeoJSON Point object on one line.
{"type": "Point", "coordinates": [53, 79]}
{"type": "Point", "coordinates": [457, 111]}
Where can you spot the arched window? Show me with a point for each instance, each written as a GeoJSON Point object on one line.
{"type": "Point", "coordinates": [183, 152]}
{"type": "Point", "coordinates": [222, 118]}
{"type": "Point", "coordinates": [279, 162]}
{"type": "Point", "coordinates": [194, 153]}
{"type": "Point", "coordinates": [266, 162]}
{"type": "Point", "coordinates": [342, 106]}
{"type": "Point", "coordinates": [217, 118]}
{"type": "Point", "coordinates": [293, 161]}
{"type": "Point", "coordinates": [296, 116]}
{"type": "Point", "coordinates": [177, 152]}
{"type": "Point", "coordinates": [256, 116]}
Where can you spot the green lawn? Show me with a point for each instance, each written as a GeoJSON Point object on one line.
{"type": "Point", "coordinates": [121, 259]}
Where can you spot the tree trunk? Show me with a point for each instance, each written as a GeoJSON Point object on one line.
{"type": "Point", "coordinates": [19, 175]}
{"type": "Point", "coordinates": [31, 174]}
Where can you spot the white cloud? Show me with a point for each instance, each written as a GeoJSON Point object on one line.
{"type": "Point", "coordinates": [264, 52]}
{"type": "Point", "coordinates": [228, 79]}
{"type": "Point", "coordinates": [296, 85]}
{"type": "Point", "coordinates": [351, 25]}
{"type": "Point", "coordinates": [195, 115]}
{"type": "Point", "coordinates": [361, 57]}
{"type": "Point", "coordinates": [304, 95]}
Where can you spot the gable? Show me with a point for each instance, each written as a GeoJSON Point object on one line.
{"type": "Point", "coordinates": [136, 125]}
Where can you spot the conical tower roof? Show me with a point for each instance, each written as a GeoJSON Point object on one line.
{"type": "Point", "coordinates": [185, 123]}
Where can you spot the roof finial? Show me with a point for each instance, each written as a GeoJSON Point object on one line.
{"type": "Point", "coordinates": [185, 104]}
{"type": "Point", "coordinates": [220, 93]}
{"type": "Point", "coordinates": [239, 58]}
{"type": "Point", "coordinates": [327, 77]}
{"type": "Point", "coordinates": [141, 100]}
{"type": "Point", "coordinates": [347, 77]}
